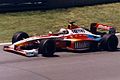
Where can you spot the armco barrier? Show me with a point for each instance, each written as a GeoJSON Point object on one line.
{"type": "Point", "coordinates": [20, 5]}
{"type": "Point", "coordinates": [16, 5]}
{"type": "Point", "coordinates": [71, 3]}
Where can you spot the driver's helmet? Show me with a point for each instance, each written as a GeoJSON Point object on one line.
{"type": "Point", "coordinates": [63, 31]}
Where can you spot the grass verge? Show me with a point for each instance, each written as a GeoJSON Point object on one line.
{"type": "Point", "coordinates": [40, 22]}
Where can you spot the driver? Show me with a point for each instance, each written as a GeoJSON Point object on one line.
{"type": "Point", "coordinates": [63, 31]}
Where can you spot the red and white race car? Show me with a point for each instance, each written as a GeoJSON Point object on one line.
{"type": "Point", "coordinates": [71, 38]}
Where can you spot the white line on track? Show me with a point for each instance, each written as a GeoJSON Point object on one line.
{"type": "Point", "coordinates": [5, 43]}
{"type": "Point", "coordinates": [117, 34]}
{"type": "Point", "coordinates": [8, 43]}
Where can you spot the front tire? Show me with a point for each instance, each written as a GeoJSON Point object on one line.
{"type": "Point", "coordinates": [19, 36]}
{"type": "Point", "coordinates": [47, 48]}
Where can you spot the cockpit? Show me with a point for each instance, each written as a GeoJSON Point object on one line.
{"type": "Point", "coordinates": [63, 31]}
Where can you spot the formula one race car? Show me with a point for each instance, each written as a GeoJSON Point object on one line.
{"type": "Point", "coordinates": [71, 38]}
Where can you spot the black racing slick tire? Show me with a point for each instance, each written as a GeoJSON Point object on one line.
{"type": "Point", "coordinates": [19, 36]}
{"type": "Point", "coordinates": [47, 48]}
{"type": "Point", "coordinates": [109, 42]}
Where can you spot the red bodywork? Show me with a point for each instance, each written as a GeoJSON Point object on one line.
{"type": "Point", "coordinates": [102, 26]}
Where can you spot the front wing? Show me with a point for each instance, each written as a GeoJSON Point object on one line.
{"type": "Point", "coordinates": [27, 53]}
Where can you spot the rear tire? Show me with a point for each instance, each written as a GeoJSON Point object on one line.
{"type": "Point", "coordinates": [19, 36]}
{"type": "Point", "coordinates": [47, 48]}
{"type": "Point", "coordinates": [109, 42]}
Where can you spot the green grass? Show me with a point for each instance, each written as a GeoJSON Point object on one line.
{"type": "Point", "coordinates": [40, 22]}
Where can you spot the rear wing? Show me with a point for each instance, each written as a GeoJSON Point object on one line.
{"type": "Point", "coordinates": [95, 26]}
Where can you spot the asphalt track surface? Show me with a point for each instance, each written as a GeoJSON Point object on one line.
{"type": "Point", "coordinates": [100, 65]}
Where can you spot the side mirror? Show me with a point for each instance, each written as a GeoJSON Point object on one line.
{"type": "Point", "coordinates": [50, 32]}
